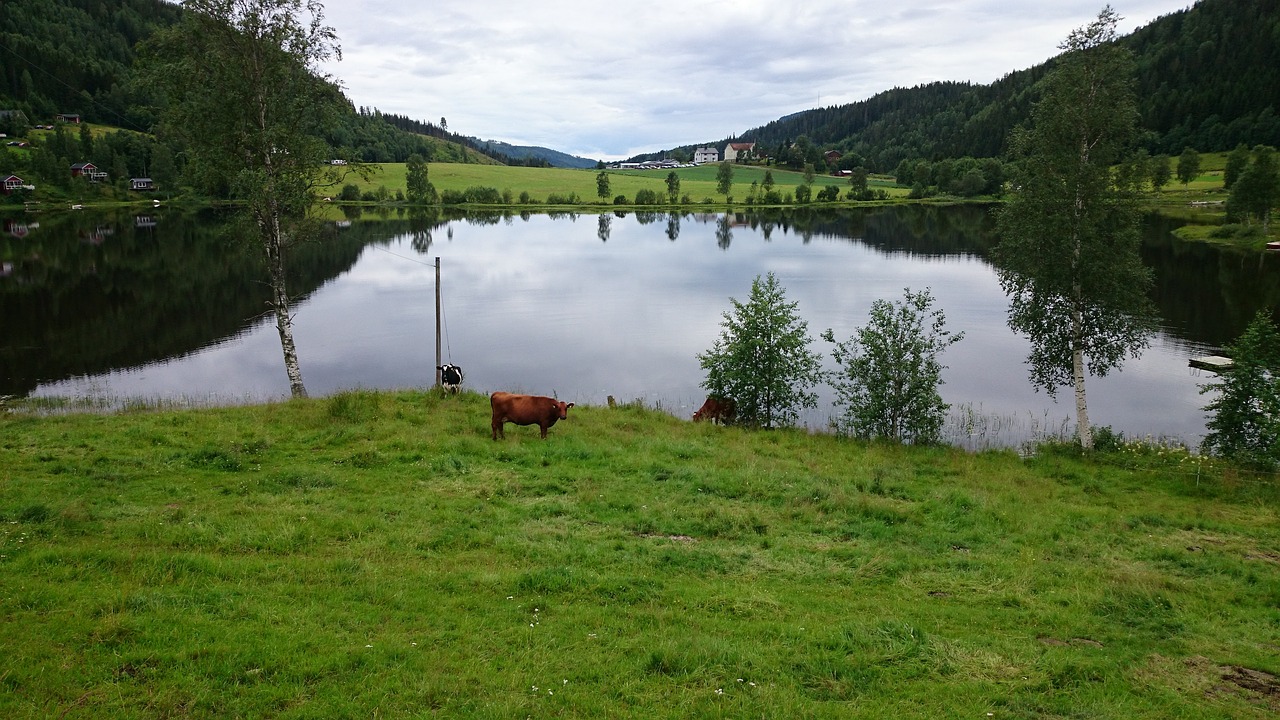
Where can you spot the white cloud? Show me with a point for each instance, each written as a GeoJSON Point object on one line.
{"type": "Point", "coordinates": [607, 81]}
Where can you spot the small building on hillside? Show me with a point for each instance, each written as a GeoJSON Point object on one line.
{"type": "Point", "coordinates": [12, 184]}
{"type": "Point", "coordinates": [141, 184]}
{"type": "Point", "coordinates": [706, 155]}
{"type": "Point", "coordinates": [88, 171]}
{"type": "Point", "coordinates": [734, 152]}
{"type": "Point", "coordinates": [15, 116]}
{"type": "Point", "coordinates": [68, 117]}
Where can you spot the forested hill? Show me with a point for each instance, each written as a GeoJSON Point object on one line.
{"type": "Point", "coordinates": [1207, 78]}
{"type": "Point", "coordinates": [77, 56]}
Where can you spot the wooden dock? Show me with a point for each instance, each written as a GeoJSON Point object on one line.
{"type": "Point", "coordinates": [1213, 363]}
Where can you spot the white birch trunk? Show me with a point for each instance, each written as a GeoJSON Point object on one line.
{"type": "Point", "coordinates": [1083, 431]}
{"type": "Point", "coordinates": [280, 303]}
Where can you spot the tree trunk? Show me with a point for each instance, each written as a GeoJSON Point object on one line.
{"type": "Point", "coordinates": [280, 303]}
{"type": "Point", "coordinates": [1083, 431]}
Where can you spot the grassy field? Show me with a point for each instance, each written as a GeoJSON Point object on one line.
{"type": "Point", "coordinates": [378, 555]}
{"type": "Point", "coordinates": [699, 183]}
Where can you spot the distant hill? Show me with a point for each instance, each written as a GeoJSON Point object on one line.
{"type": "Point", "coordinates": [554, 158]}
{"type": "Point", "coordinates": [77, 56]}
{"type": "Point", "coordinates": [1207, 78]}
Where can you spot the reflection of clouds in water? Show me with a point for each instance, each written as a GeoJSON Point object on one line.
{"type": "Point", "coordinates": [541, 305]}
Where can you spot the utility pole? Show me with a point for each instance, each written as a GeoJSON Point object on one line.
{"type": "Point", "coordinates": [438, 360]}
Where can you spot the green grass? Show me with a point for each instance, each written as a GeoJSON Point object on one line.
{"type": "Point", "coordinates": [699, 183]}
{"type": "Point", "coordinates": [378, 555]}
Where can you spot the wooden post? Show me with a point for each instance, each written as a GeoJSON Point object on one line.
{"type": "Point", "coordinates": [438, 361]}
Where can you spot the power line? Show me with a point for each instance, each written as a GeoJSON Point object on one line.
{"type": "Point", "coordinates": [124, 122]}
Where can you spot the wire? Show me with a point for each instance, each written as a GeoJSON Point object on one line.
{"type": "Point", "coordinates": [123, 120]}
{"type": "Point", "coordinates": [444, 319]}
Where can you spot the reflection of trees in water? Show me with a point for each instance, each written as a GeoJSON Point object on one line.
{"type": "Point", "coordinates": [421, 222]}
{"type": "Point", "coordinates": [923, 230]}
{"type": "Point", "coordinates": [931, 230]}
{"type": "Point", "coordinates": [724, 232]}
{"type": "Point", "coordinates": [603, 227]}
{"type": "Point", "coordinates": [85, 293]}
{"type": "Point", "coordinates": [91, 293]}
{"type": "Point", "coordinates": [1208, 293]}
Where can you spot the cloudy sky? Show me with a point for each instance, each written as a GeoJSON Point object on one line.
{"type": "Point", "coordinates": [607, 80]}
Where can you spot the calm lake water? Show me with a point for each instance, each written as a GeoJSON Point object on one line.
{"type": "Point", "coordinates": [582, 307]}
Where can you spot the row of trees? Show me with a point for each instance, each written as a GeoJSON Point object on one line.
{"type": "Point", "coordinates": [965, 177]}
{"type": "Point", "coordinates": [1253, 179]}
{"type": "Point", "coordinates": [889, 373]}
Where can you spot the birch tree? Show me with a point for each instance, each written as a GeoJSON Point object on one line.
{"type": "Point", "coordinates": [1069, 233]}
{"type": "Point", "coordinates": [762, 358]}
{"type": "Point", "coordinates": [244, 95]}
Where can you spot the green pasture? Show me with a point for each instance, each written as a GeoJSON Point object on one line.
{"type": "Point", "coordinates": [373, 554]}
{"type": "Point", "coordinates": [699, 183]}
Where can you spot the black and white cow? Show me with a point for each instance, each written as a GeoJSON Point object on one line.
{"type": "Point", "coordinates": [451, 378]}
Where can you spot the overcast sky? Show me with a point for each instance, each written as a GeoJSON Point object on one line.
{"type": "Point", "coordinates": [607, 80]}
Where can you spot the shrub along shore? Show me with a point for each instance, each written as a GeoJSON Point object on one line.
{"type": "Point", "coordinates": [377, 554]}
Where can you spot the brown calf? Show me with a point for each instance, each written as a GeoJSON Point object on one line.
{"type": "Point", "coordinates": [526, 410]}
{"type": "Point", "coordinates": [716, 409]}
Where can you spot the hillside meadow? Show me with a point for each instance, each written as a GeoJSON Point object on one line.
{"type": "Point", "coordinates": [376, 554]}
{"type": "Point", "coordinates": [699, 183]}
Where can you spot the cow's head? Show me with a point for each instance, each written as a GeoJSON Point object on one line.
{"type": "Point", "coordinates": [562, 409]}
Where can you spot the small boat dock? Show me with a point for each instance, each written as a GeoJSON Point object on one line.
{"type": "Point", "coordinates": [1213, 363]}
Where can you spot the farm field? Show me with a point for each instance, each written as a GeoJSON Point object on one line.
{"type": "Point", "coordinates": [699, 183]}
{"type": "Point", "coordinates": [376, 554]}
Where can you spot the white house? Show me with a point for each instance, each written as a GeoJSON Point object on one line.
{"type": "Point", "coordinates": [706, 155]}
{"type": "Point", "coordinates": [737, 151]}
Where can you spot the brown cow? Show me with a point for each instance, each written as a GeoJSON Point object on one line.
{"type": "Point", "coordinates": [716, 409]}
{"type": "Point", "coordinates": [526, 410]}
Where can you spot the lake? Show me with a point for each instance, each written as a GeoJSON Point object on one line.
{"type": "Point", "coordinates": [162, 306]}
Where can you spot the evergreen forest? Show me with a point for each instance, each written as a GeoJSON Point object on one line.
{"type": "Point", "coordinates": [1208, 78]}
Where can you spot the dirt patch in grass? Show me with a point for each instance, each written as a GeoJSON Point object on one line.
{"type": "Point", "coordinates": [676, 538]}
{"type": "Point", "coordinates": [1201, 675]}
{"type": "Point", "coordinates": [1077, 642]}
{"type": "Point", "coordinates": [1256, 681]}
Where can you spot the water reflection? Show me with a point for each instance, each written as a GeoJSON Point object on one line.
{"type": "Point", "coordinates": [619, 304]}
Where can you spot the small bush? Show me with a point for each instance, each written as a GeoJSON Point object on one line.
{"type": "Point", "coordinates": [1237, 231]}
{"type": "Point", "coordinates": [1244, 423]}
{"type": "Point", "coordinates": [480, 195]}
{"type": "Point", "coordinates": [647, 197]}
